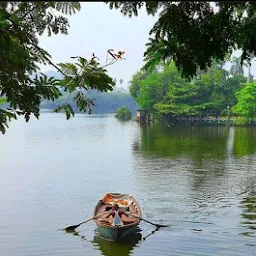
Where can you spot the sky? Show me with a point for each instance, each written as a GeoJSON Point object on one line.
{"type": "Point", "coordinates": [95, 29]}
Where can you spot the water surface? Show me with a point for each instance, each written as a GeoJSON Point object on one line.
{"type": "Point", "coordinates": [199, 180]}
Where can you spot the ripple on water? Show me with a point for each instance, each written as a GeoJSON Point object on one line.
{"type": "Point", "coordinates": [54, 171]}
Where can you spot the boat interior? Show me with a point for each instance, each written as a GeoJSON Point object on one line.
{"type": "Point", "coordinates": [125, 204]}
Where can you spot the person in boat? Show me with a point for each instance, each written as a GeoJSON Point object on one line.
{"type": "Point", "coordinates": [119, 216]}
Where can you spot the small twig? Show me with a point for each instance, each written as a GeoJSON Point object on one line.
{"type": "Point", "coordinates": [106, 58]}
{"type": "Point", "coordinates": [111, 63]}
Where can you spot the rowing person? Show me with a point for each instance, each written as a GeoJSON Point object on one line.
{"type": "Point", "coordinates": [120, 217]}
{"type": "Point", "coordinates": [117, 214]}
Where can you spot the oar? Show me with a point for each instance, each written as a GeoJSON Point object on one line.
{"type": "Point", "coordinates": [76, 226]}
{"type": "Point", "coordinates": [155, 224]}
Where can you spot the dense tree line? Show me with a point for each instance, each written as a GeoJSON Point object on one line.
{"type": "Point", "coordinates": [212, 93]}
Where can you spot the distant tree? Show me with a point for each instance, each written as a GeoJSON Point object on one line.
{"type": "Point", "coordinates": [123, 114]}
{"type": "Point", "coordinates": [121, 87]}
{"type": "Point", "coordinates": [134, 87]}
{"type": "Point", "coordinates": [168, 94]}
{"type": "Point", "coordinates": [236, 67]}
{"type": "Point", "coordinates": [246, 104]}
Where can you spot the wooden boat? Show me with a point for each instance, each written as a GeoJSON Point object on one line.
{"type": "Point", "coordinates": [105, 226]}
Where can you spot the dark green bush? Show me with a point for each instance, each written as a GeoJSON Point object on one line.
{"type": "Point", "coordinates": [123, 114]}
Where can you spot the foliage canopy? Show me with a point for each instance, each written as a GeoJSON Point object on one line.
{"type": "Point", "coordinates": [123, 114]}
{"type": "Point", "coordinates": [193, 34]}
{"type": "Point", "coordinates": [246, 104]}
{"type": "Point", "coordinates": [20, 25]}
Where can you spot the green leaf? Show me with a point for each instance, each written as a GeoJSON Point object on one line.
{"type": "Point", "coordinates": [68, 7]}
{"type": "Point", "coordinates": [67, 109]}
{"type": "Point", "coordinates": [3, 100]}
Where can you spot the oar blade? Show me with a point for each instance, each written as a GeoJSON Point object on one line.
{"type": "Point", "coordinates": [71, 228]}
{"type": "Point", "coordinates": [161, 226]}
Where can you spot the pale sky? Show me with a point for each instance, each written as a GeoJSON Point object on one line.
{"type": "Point", "coordinates": [95, 29]}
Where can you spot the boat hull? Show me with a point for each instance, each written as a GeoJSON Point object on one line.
{"type": "Point", "coordinates": [116, 234]}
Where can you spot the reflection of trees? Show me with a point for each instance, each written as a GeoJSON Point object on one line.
{"type": "Point", "coordinates": [164, 152]}
{"type": "Point", "coordinates": [249, 208]}
{"type": "Point", "coordinates": [136, 146]}
{"type": "Point", "coordinates": [199, 143]}
{"type": "Point", "coordinates": [193, 172]}
{"type": "Point", "coordinates": [171, 149]}
{"type": "Point", "coordinates": [245, 141]}
{"type": "Point", "coordinates": [195, 142]}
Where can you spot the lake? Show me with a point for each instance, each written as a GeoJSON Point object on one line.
{"type": "Point", "coordinates": [199, 180]}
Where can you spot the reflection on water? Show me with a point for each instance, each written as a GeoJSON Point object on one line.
{"type": "Point", "coordinates": [199, 174]}
{"type": "Point", "coordinates": [244, 141]}
{"type": "Point", "coordinates": [208, 142]}
{"type": "Point", "coordinates": [111, 248]}
{"type": "Point", "coordinates": [201, 181]}
{"type": "Point", "coordinates": [248, 205]}
{"type": "Point", "coordinates": [249, 214]}
{"type": "Point", "coordinates": [195, 142]}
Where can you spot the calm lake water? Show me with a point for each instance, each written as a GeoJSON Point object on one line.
{"type": "Point", "coordinates": [199, 180]}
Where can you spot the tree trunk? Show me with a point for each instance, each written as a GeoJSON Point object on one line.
{"type": "Point", "coordinates": [249, 73]}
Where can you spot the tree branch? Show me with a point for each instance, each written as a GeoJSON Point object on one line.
{"type": "Point", "coordinates": [49, 61]}
{"type": "Point", "coordinates": [31, 10]}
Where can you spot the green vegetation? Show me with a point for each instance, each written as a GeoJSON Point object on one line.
{"type": "Point", "coordinates": [246, 105]}
{"type": "Point", "coordinates": [3, 101]}
{"type": "Point", "coordinates": [20, 25]}
{"type": "Point", "coordinates": [240, 120]}
{"type": "Point", "coordinates": [216, 92]}
{"type": "Point", "coordinates": [123, 114]}
{"type": "Point", "coordinates": [193, 34]}
{"type": "Point", "coordinates": [189, 34]}
{"type": "Point", "coordinates": [213, 93]}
